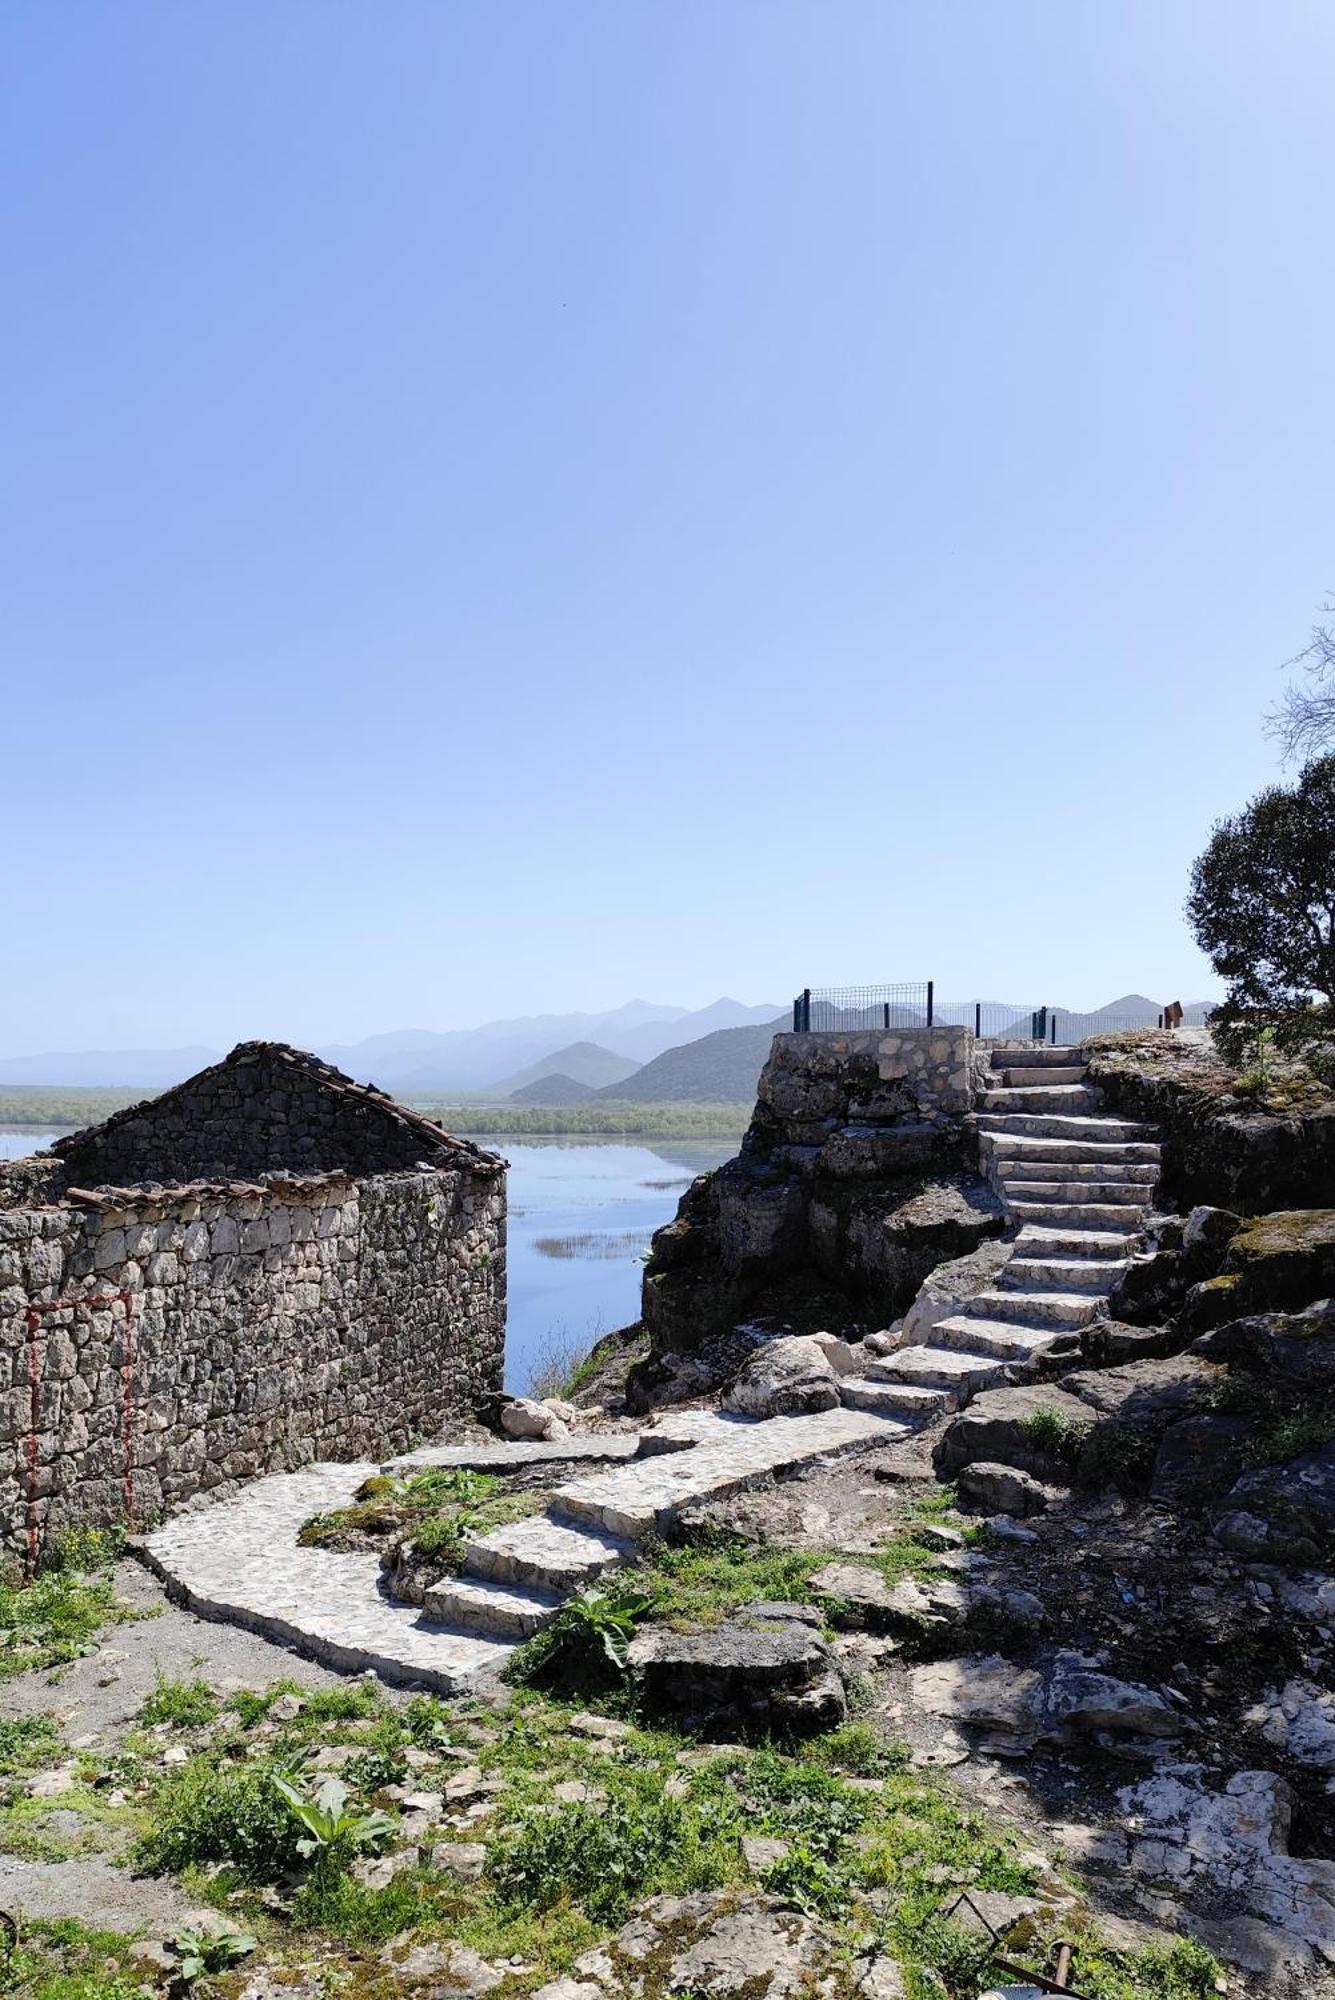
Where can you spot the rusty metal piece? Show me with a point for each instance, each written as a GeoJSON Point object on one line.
{"type": "Point", "coordinates": [1024, 1972]}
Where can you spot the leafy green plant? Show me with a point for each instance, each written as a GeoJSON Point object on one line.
{"type": "Point", "coordinates": [587, 1643]}
{"type": "Point", "coordinates": [27, 1741]}
{"type": "Point", "coordinates": [332, 1835]}
{"type": "Point", "coordinates": [1049, 1434]}
{"type": "Point", "coordinates": [83, 1549]}
{"type": "Point", "coordinates": [199, 1951]}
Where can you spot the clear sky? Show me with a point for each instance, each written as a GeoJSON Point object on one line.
{"type": "Point", "coordinates": [511, 504]}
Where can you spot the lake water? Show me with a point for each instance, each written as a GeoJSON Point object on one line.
{"type": "Point", "coordinates": [581, 1215]}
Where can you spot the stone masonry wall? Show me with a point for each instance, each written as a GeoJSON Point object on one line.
{"type": "Point", "coordinates": [298, 1319]}
{"type": "Point", "coordinates": [266, 1265]}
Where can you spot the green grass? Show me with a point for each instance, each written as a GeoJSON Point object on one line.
{"type": "Point", "coordinates": [1285, 1426]}
{"type": "Point", "coordinates": [56, 1617]}
{"type": "Point", "coordinates": [61, 1959]}
{"type": "Point", "coordinates": [185, 1704]}
{"type": "Point", "coordinates": [27, 1742]}
{"type": "Point", "coordinates": [437, 1509]}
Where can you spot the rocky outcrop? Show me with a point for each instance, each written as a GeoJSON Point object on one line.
{"type": "Point", "coordinates": [1218, 1146]}
{"type": "Point", "coordinates": [825, 1209]}
{"type": "Point", "coordinates": [1296, 1347]}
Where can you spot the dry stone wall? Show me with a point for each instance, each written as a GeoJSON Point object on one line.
{"type": "Point", "coordinates": [164, 1339]}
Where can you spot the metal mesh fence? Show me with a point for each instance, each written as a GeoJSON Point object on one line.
{"type": "Point", "coordinates": [842, 1009]}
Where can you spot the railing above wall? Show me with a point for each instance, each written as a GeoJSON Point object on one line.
{"type": "Point", "coordinates": [838, 1009]}
{"type": "Point", "coordinates": [845, 1009]}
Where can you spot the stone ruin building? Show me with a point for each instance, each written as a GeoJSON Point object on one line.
{"type": "Point", "coordinates": [266, 1265]}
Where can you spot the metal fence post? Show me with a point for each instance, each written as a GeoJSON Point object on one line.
{"type": "Point", "coordinates": [806, 1010]}
{"type": "Point", "coordinates": [931, 990]}
{"type": "Point", "coordinates": [797, 1015]}
{"type": "Point", "coordinates": [977, 1019]}
{"type": "Point", "coordinates": [886, 1011]}
{"type": "Point", "coordinates": [1054, 1027]}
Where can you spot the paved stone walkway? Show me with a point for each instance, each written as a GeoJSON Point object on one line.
{"type": "Point", "coordinates": [240, 1562]}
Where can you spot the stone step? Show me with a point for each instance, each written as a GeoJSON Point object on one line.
{"type": "Point", "coordinates": [646, 1496]}
{"type": "Point", "coordinates": [961, 1370]}
{"type": "Point", "coordinates": [1000, 1337]}
{"type": "Point", "coordinates": [503, 1610]}
{"type": "Point", "coordinates": [1049, 1125]}
{"type": "Point", "coordinates": [1037, 1183]}
{"type": "Point", "coordinates": [542, 1553]}
{"type": "Point", "coordinates": [1038, 1055]}
{"type": "Point", "coordinates": [1096, 1244]}
{"type": "Point", "coordinates": [1018, 1077]}
{"type": "Point", "coordinates": [1055, 1309]}
{"type": "Point", "coordinates": [1075, 1214]}
{"type": "Point", "coordinates": [1024, 1148]}
{"type": "Point", "coordinates": [1076, 1100]}
{"type": "Point", "coordinates": [1058, 1274]}
{"type": "Point", "coordinates": [861, 1392]}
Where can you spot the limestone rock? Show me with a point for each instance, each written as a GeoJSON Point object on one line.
{"type": "Point", "coordinates": [988, 1692]}
{"type": "Point", "coordinates": [1299, 1720]}
{"type": "Point", "coordinates": [952, 1285]}
{"type": "Point", "coordinates": [788, 1377]}
{"type": "Point", "coordinates": [1080, 1701]}
{"type": "Point", "coordinates": [1001, 1489]}
{"type": "Point", "coordinates": [464, 1858]}
{"type": "Point", "coordinates": [837, 1352]}
{"type": "Point", "coordinates": [1298, 1346]}
{"type": "Point", "coordinates": [1233, 1842]}
{"type": "Point", "coordinates": [741, 1678]}
{"type": "Point", "coordinates": [996, 1428]}
{"type": "Point", "coordinates": [1198, 1455]}
{"type": "Point", "coordinates": [1283, 1513]}
{"type": "Point", "coordinates": [524, 1418]}
{"type": "Point", "coordinates": [453, 1970]}
{"type": "Point", "coordinates": [756, 1947]}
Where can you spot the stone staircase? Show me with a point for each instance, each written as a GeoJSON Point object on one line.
{"type": "Point", "coordinates": [1077, 1183]}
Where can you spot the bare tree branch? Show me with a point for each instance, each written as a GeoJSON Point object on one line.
{"type": "Point", "coordinates": [1304, 722]}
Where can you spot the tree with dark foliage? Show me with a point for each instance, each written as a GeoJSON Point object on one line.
{"type": "Point", "coordinates": [1262, 905]}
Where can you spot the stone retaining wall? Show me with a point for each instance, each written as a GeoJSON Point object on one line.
{"type": "Point", "coordinates": [209, 1331]}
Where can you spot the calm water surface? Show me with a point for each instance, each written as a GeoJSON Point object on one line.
{"type": "Point", "coordinates": [581, 1215]}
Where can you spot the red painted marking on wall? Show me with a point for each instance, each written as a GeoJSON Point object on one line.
{"type": "Point", "coordinates": [34, 1316]}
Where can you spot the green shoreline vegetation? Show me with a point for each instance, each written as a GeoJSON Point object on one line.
{"type": "Point", "coordinates": [56, 1107]}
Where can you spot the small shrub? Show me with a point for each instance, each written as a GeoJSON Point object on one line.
{"type": "Point", "coordinates": [1050, 1434]}
{"type": "Point", "coordinates": [83, 1549]}
{"type": "Point", "coordinates": [185, 1704]}
{"type": "Point", "coordinates": [54, 1619]}
{"type": "Point", "coordinates": [231, 1814]}
{"type": "Point", "coordinates": [1120, 1455]}
{"type": "Point", "coordinates": [340, 1904]}
{"type": "Point", "coordinates": [857, 1749]}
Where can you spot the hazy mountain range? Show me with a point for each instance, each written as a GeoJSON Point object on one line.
{"type": "Point", "coordinates": [641, 1052]}
{"type": "Point", "coordinates": [495, 1058]}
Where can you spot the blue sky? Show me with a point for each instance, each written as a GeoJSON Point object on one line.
{"type": "Point", "coordinates": [507, 506]}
